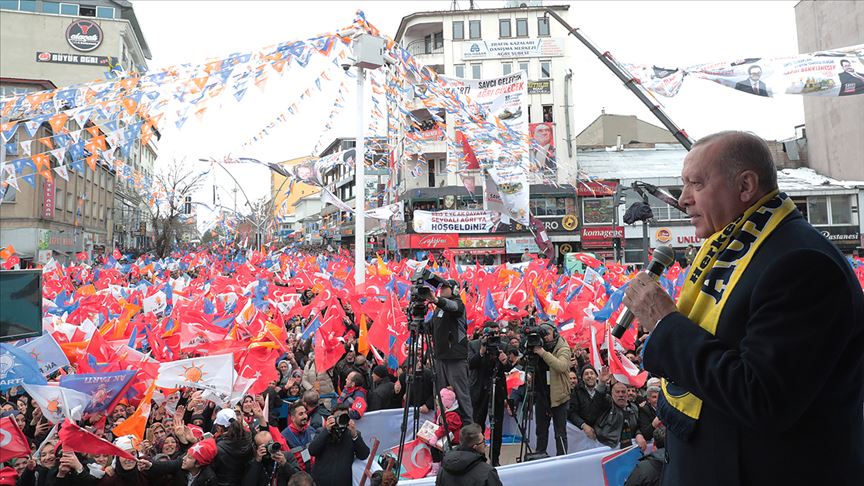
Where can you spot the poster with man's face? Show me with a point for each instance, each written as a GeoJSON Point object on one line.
{"type": "Point", "coordinates": [542, 150]}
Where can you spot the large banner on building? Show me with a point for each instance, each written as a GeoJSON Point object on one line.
{"type": "Point", "coordinates": [839, 72]}
{"type": "Point", "coordinates": [456, 221]}
{"type": "Point", "coordinates": [542, 153]}
{"type": "Point", "coordinates": [510, 48]}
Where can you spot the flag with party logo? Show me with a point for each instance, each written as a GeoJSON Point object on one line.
{"type": "Point", "coordinates": [105, 389]}
{"type": "Point", "coordinates": [58, 403]}
{"type": "Point", "coordinates": [214, 373]}
{"type": "Point", "coordinates": [48, 354]}
{"type": "Point", "coordinates": [17, 367]}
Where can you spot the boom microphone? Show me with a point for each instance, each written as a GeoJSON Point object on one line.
{"type": "Point", "coordinates": [663, 258]}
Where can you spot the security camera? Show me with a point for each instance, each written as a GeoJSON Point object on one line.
{"type": "Point", "coordinates": [348, 62]}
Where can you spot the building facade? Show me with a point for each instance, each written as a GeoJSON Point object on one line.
{"type": "Point", "coordinates": [834, 125]}
{"type": "Point", "coordinates": [483, 44]}
{"type": "Point", "coordinates": [48, 45]}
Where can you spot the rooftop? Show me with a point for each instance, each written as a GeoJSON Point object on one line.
{"type": "Point", "coordinates": [446, 13]}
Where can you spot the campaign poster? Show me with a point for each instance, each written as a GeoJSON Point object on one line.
{"type": "Point", "coordinates": [541, 155]}
{"type": "Point", "coordinates": [455, 221]}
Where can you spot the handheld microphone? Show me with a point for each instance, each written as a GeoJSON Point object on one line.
{"type": "Point", "coordinates": [663, 258]}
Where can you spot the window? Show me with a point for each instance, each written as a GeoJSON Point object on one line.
{"type": "Point", "coordinates": [552, 206]}
{"type": "Point", "coordinates": [9, 194]}
{"type": "Point", "coordinates": [597, 210]}
{"type": "Point", "coordinates": [27, 6]}
{"type": "Point", "coordinates": [458, 30]}
{"type": "Point", "coordinates": [475, 71]}
{"type": "Point", "coordinates": [51, 7]}
{"type": "Point", "coordinates": [829, 210]}
{"type": "Point", "coordinates": [523, 66]}
{"type": "Point", "coordinates": [438, 40]}
{"type": "Point", "coordinates": [504, 28]}
{"type": "Point", "coordinates": [664, 212]}
{"type": "Point", "coordinates": [427, 44]}
{"type": "Point", "coordinates": [543, 27]}
{"type": "Point", "coordinates": [474, 29]}
{"type": "Point", "coordinates": [459, 70]}
{"type": "Point", "coordinates": [521, 27]}
{"type": "Point", "coordinates": [105, 12]}
{"type": "Point", "coordinates": [70, 202]}
{"type": "Point", "coordinates": [58, 199]}
{"type": "Point", "coordinates": [545, 69]}
{"type": "Point", "coordinates": [9, 4]}
{"type": "Point", "coordinates": [547, 114]}
{"type": "Point", "coordinates": [69, 9]}
{"type": "Point", "coordinates": [85, 11]}
{"type": "Point", "coordinates": [506, 68]}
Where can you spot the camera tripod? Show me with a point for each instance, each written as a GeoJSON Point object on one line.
{"type": "Point", "coordinates": [423, 348]}
{"type": "Point", "coordinates": [524, 423]}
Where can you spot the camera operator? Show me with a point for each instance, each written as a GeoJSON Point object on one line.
{"type": "Point", "coordinates": [485, 360]}
{"type": "Point", "coordinates": [551, 388]}
{"type": "Point", "coordinates": [271, 465]}
{"type": "Point", "coordinates": [335, 448]}
{"type": "Point", "coordinates": [450, 334]}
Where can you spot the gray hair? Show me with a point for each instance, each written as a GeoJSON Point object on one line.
{"type": "Point", "coordinates": [740, 151]}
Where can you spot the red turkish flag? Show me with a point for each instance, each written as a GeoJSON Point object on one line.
{"type": "Point", "coordinates": [11, 262]}
{"type": "Point", "coordinates": [416, 459]}
{"type": "Point", "coordinates": [13, 443]}
{"type": "Point", "coordinates": [76, 439]}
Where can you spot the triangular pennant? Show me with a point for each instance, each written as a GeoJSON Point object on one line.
{"type": "Point", "coordinates": [62, 172]}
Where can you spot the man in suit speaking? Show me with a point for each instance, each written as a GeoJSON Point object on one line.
{"type": "Point", "coordinates": [752, 84]}
{"type": "Point", "coordinates": [761, 360]}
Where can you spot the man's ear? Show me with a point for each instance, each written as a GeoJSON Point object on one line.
{"type": "Point", "coordinates": [748, 186]}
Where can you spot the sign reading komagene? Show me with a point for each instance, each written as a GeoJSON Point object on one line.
{"type": "Point", "coordinates": [511, 48]}
{"type": "Point", "coordinates": [454, 221]}
{"type": "Point", "coordinates": [84, 35]}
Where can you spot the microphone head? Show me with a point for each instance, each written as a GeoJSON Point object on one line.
{"type": "Point", "coordinates": [664, 255]}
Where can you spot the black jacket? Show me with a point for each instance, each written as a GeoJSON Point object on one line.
{"type": "Point", "coordinates": [422, 390]}
{"type": "Point", "coordinates": [318, 417]}
{"type": "Point", "coordinates": [232, 455]}
{"type": "Point", "coordinates": [794, 321]}
{"type": "Point", "coordinates": [261, 473]}
{"type": "Point", "coordinates": [585, 409]}
{"type": "Point", "coordinates": [646, 419]}
{"type": "Point", "coordinates": [160, 469]}
{"type": "Point", "coordinates": [450, 329]}
{"type": "Point", "coordinates": [466, 468]}
{"type": "Point", "coordinates": [616, 424]}
{"type": "Point", "coordinates": [383, 396]}
{"type": "Point", "coordinates": [648, 470]}
{"type": "Point", "coordinates": [480, 370]}
{"type": "Point", "coordinates": [333, 461]}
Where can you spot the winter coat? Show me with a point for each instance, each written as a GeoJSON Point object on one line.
{"type": "Point", "coordinates": [466, 468]}
{"type": "Point", "coordinates": [382, 396]}
{"type": "Point", "coordinates": [648, 470]}
{"type": "Point", "coordinates": [422, 390]}
{"type": "Point", "coordinates": [232, 455]}
{"type": "Point", "coordinates": [559, 366]}
{"type": "Point", "coordinates": [585, 409]}
{"type": "Point", "coordinates": [333, 460]}
{"type": "Point", "coordinates": [180, 478]}
{"type": "Point", "coordinates": [450, 329]}
{"type": "Point", "coordinates": [310, 376]}
{"type": "Point", "coordinates": [355, 398]}
{"type": "Point", "coordinates": [260, 473]}
{"type": "Point", "coordinates": [317, 417]}
{"type": "Point", "coordinates": [610, 425]}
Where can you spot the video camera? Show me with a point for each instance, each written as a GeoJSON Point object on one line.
{"type": "Point", "coordinates": [492, 340]}
{"type": "Point", "coordinates": [532, 335]}
{"type": "Point", "coordinates": [420, 294]}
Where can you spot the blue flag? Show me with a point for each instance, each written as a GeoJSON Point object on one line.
{"type": "Point", "coordinates": [104, 388]}
{"type": "Point", "coordinates": [611, 305]}
{"type": "Point", "coordinates": [18, 367]}
{"type": "Point", "coordinates": [489, 309]}
{"type": "Point", "coordinates": [47, 353]}
{"type": "Point", "coordinates": [309, 331]}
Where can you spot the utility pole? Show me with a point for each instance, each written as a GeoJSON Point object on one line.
{"type": "Point", "coordinates": [360, 188]}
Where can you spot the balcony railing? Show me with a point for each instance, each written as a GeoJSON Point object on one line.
{"type": "Point", "coordinates": [421, 46]}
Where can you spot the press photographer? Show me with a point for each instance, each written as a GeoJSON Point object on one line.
{"type": "Point", "coordinates": [551, 384]}
{"type": "Point", "coordinates": [335, 448]}
{"type": "Point", "coordinates": [450, 337]}
{"type": "Point", "coordinates": [487, 362]}
{"type": "Point", "coordinates": [271, 465]}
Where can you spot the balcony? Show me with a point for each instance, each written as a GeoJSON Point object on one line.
{"type": "Point", "coordinates": [423, 47]}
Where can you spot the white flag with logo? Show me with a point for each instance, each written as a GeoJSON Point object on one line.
{"type": "Point", "coordinates": [156, 303]}
{"type": "Point", "coordinates": [215, 373]}
{"type": "Point", "coordinates": [58, 403]}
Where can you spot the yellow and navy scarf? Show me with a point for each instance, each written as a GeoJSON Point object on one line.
{"type": "Point", "coordinates": [715, 271]}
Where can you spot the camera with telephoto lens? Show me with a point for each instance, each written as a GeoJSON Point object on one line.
{"type": "Point", "coordinates": [420, 294]}
{"type": "Point", "coordinates": [532, 334]}
{"type": "Point", "coordinates": [342, 421]}
{"type": "Point", "coordinates": [273, 447]}
{"type": "Point", "coordinates": [492, 340]}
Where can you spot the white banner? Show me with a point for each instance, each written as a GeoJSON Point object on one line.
{"type": "Point", "coordinates": [328, 197]}
{"type": "Point", "coordinates": [455, 221]}
{"type": "Point", "coordinates": [838, 72]}
{"type": "Point", "coordinates": [510, 48]}
{"type": "Point", "coordinates": [387, 212]}
{"type": "Point", "coordinates": [512, 183]}
{"type": "Point", "coordinates": [492, 200]}
{"type": "Point", "coordinates": [518, 244]}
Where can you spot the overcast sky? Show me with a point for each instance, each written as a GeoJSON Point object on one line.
{"type": "Point", "coordinates": [668, 34]}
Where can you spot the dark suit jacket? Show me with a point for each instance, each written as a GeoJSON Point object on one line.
{"type": "Point", "coordinates": [850, 85]}
{"type": "Point", "coordinates": [747, 87]}
{"type": "Point", "coordinates": [782, 381]}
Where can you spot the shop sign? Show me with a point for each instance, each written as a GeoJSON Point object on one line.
{"type": "Point", "coordinates": [543, 47]}
{"type": "Point", "coordinates": [596, 188]}
{"type": "Point", "coordinates": [79, 59]}
{"type": "Point", "coordinates": [482, 242]}
{"type": "Point", "coordinates": [454, 221]}
{"type": "Point", "coordinates": [48, 199]}
{"type": "Point", "coordinates": [433, 135]}
{"type": "Point", "coordinates": [517, 244]}
{"type": "Point", "coordinates": [568, 223]}
{"type": "Point", "coordinates": [841, 235]}
{"type": "Point", "coordinates": [600, 236]}
{"type": "Point", "coordinates": [427, 242]}
{"type": "Point", "coordinates": [540, 87]}
{"type": "Point", "coordinates": [674, 236]}
{"type": "Point", "coordinates": [84, 35]}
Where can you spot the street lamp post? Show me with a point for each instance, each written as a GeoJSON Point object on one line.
{"type": "Point", "coordinates": [360, 188]}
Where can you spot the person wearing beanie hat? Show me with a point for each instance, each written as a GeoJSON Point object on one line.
{"type": "Point", "coordinates": [8, 476]}
{"type": "Point", "coordinates": [588, 399]}
{"type": "Point", "coordinates": [454, 420]}
{"type": "Point", "coordinates": [382, 395]}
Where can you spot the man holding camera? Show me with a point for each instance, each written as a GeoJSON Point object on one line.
{"type": "Point", "coordinates": [486, 360]}
{"type": "Point", "coordinates": [551, 388]}
{"type": "Point", "coordinates": [335, 448]}
{"type": "Point", "coordinates": [271, 466]}
{"type": "Point", "coordinates": [450, 335]}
